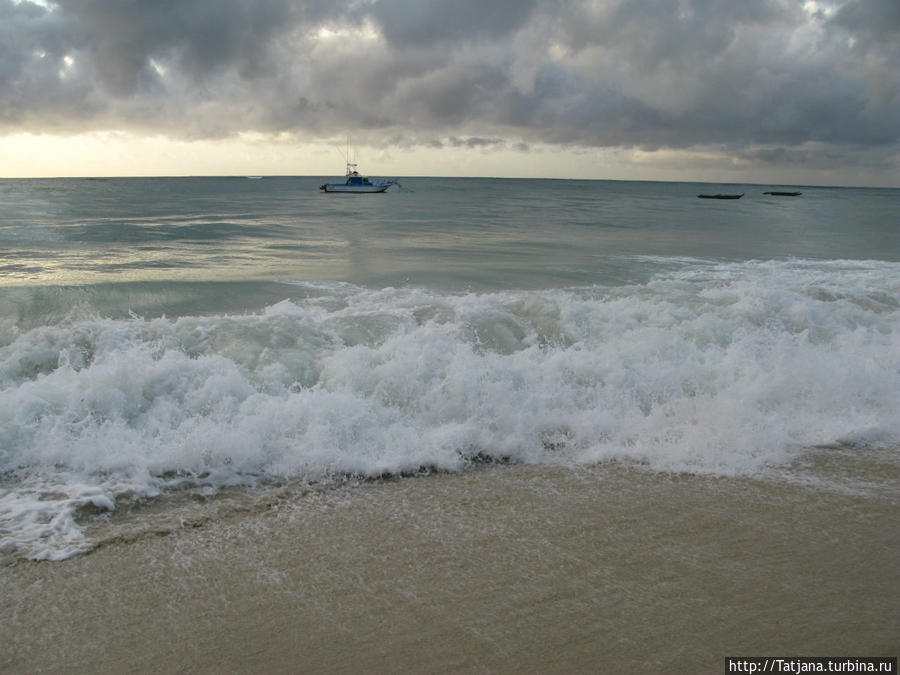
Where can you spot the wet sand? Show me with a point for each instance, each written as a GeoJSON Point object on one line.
{"type": "Point", "coordinates": [505, 569]}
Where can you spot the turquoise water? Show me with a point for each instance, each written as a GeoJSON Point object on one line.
{"type": "Point", "coordinates": [160, 335]}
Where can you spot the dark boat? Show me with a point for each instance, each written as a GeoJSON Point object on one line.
{"type": "Point", "coordinates": [721, 196]}
{"type": "Point", "coordinates": [776, 193]}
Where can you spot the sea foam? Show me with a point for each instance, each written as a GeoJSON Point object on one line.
{"type": "Point", "coordinates": [721, 369]}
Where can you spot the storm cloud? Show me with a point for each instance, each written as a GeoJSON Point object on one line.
{"type": "Point", "coordinates": [776, 80]}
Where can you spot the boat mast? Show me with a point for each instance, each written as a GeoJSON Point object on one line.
{"type": "Point", "coordinates": [351, 165]}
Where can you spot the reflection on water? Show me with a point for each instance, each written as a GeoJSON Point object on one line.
{"type": "Point", "coordinates": [447, 233]}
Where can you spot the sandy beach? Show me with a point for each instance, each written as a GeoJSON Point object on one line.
{"type": "Point", "coordinates": [504, 569]}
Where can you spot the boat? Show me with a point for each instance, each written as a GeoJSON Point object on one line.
{"type": "Point", "coordinates": [357, 183]}
{"type": "Point", "coordinates": [777, 193]}
{"type": "Point", "coordinates": [721, 196]}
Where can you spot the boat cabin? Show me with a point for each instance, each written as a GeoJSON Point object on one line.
{"type": "Point", "coordinates": [353, 178]}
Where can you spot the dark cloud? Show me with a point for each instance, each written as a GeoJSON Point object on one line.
{"type": "Point", "coordinates": [475, 142]}
{"type": "Point", "coordinates": [414, 22]}
{"type": "Point", "coordinates": [769, 76]}
{"type": "Point", "coordinates": [872, 20]}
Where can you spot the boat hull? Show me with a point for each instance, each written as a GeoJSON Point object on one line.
{"type": "Point", "coordinates": [360, 189]}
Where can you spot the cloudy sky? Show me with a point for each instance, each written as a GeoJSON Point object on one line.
{"type": "Point", "coordinates": [790, 91]}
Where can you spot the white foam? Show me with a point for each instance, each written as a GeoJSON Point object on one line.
{"type": "Point", "coordinates": [711, 368]}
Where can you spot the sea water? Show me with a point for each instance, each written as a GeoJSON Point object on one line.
{"type": "Point", "coordinates": [171, 337]}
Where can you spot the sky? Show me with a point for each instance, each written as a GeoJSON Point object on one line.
{"type": "Point", "coordinates": [767, 91]}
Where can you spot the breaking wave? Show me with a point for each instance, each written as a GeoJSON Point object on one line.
{"type": "Point", "coordinates": [722, 369]}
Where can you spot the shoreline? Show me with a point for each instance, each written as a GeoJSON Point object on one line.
{"type": "Point", "coordinates": [503, 569]}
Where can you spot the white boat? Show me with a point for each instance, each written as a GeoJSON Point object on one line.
{"type": "Point", "coordinates": [357, 183]}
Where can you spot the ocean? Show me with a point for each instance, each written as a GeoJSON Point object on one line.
{"type": "Point", "coordinates": [181, 355]}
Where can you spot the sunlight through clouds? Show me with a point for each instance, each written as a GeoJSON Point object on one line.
{"type": "Point", "coordinates": [753, 82]}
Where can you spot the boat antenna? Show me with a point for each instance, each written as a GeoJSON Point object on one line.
{"type": "Point", "coordinates": [351, 165]}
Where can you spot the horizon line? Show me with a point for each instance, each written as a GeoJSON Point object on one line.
{"type": "Point", "coordinates": [453, 177]}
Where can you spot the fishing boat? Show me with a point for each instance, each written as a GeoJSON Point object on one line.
{"type": "Point", "coordinates": [357, 183]}
{"type": "Point", "coordinates": [354, 181]}
{"type": "Point", "coordinates": [721, 196]}
{"type": "Point", "coordinates": [779, 193]}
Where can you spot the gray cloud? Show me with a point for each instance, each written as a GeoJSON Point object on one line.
{"type": "Point", "coordinates": [875, 21]}
{"type": "Point", "coordinates": [413, 22]}
{"type": "Point", "coordinates": [763, 77]}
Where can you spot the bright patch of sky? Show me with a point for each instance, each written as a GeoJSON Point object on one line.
{"type": "Point", "coordinates": [807, 90]}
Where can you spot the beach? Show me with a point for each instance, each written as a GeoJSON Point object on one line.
{"type": "Point", "coordinates": [503, 569]}
{"type": "Point", "coordinates": [400, 337]}
{"type": "Point", "coordinates": [474, 425]}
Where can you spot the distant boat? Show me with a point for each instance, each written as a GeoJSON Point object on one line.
{"type": "Point", "coordinates": [776, 193]}
{"type": "Point", "coordinates": [721, 196]}
{"type": "Point", "coordinates": [355, 182]}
